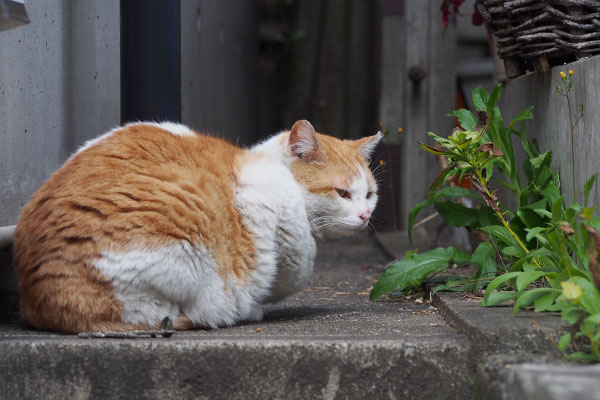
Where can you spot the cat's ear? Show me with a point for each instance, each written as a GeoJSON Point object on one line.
{"type": "Point", "coordinates": [303, 142]}
{"type": "Point", "coordinates": [367, 145]}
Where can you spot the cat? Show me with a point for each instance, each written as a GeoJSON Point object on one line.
{"type": "Point", "coordinates": [153, 220]}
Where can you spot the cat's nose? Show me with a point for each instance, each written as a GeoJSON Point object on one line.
{"type": "Point", "coordinates": [365, 215]}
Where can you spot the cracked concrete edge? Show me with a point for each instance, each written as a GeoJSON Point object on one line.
{"type": "Point", "coordinates": [245, 369]}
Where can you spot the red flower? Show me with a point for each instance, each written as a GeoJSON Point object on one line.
{"type": "Point", "coordinates": [449, 8]}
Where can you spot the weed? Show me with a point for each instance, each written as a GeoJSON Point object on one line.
{"type": "Point", "coordinates": [540, 253]}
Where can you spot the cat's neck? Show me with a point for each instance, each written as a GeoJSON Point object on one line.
{"type": "Point", "coordinates": [275, 148]}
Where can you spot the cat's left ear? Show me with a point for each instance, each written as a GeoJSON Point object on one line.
{"type": "Point", "coordinates": [367, 145]}
{"type": "Point", "coordinates": [303, 142]}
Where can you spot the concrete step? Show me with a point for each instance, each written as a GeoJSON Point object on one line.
{"type": "Point", "coordinates": [327, 342]}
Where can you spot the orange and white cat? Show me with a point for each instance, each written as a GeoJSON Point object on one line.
{"type": "Point", "coordinates": [154, 220]}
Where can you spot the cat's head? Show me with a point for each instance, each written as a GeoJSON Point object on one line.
{"type": "Point", "coordinates": [341, 192]}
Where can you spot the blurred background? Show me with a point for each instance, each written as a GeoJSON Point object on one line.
{"type": "Point", "coordinates": [241, 70]}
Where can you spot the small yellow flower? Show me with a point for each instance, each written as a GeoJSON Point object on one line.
{"type": "Point", "coordinates": [571, 291]}
{"type": "Point", "coordinates": [571, 72]}
{"type": "Point", "coordinates": [381, 162]}
{"type": "Point", "coordinates": [562, 75]}
{"type": "Point", "coordinates": [587, 213]}
{"type": "Point", "coordinates": [399, 130]}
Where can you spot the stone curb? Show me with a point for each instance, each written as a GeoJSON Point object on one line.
{"type": "Point", "coordinates": [234, 369]}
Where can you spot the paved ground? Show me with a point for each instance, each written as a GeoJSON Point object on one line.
{"type": "Point", "coordinates": [326, 342]}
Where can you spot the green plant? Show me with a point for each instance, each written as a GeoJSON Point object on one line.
{"type": "Point", "coordinates": [540, 253]}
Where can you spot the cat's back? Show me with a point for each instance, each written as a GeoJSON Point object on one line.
{"type": "Point", "coordinates": [132, 176]}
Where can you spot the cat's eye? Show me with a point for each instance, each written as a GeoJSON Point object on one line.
{"type": "Point", "coordinates": [343, 193]}
{"type": "Point", "coordinates": [370, 194]}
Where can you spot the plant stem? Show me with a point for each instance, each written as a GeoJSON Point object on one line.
{"type": "Point", "coordinates": [564, 258]}
{"type": "Point", "coordinates": [572, 142]}
{"type": "Point", "coordinates": [506, 225]}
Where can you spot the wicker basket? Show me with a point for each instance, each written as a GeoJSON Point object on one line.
{"type": "Point", "coordinates": [538, 34]}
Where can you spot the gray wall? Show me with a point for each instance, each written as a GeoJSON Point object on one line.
{"type": "Point", "coordinates": [550, 125]}
{"type": "Point", "coordinates": [59, 85]}
{"type": "Point", "coordinates": [413, 36]}
{"type": "Point", "coordinates": [219, 68]}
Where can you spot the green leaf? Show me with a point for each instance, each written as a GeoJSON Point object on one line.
{"type": "Point", "coordinates": [484, 257]}
{"type": "Point", "coordinates": [411, 272]}
{"type": "Point", "coordinates": [593, 319]}
{"type": "Point", "coordinates": [558, 213]}
{"type": "Point", "coordinates": [500, 232]}
{"type": "Point", "coordinates": [529, 217]}
{"type": "Point", "coordinates": [439, 181]}
{"type": "Point", "coordinates": [433, 150]}
{"type": "Point", "coordinates": [487, 216]}
{"type": "Point", "coordinates": [537, 234]}
{"type": "Point", "coordinates": [527, 297]}
{"type": "Point", "coordinates": [551, 257]}
{"type": "Point", "coordinates": [588, 187]}
{"type": "Point", "coordinates": [457, 285]}
{"type": "Point", "coordinates": [482, 253]}
{"type": "Point", "coordinates": [465, 117]}
{"type": "Point", "coordinates": [570, 313]}
{"type": "Point", "coordinates": [582, 357]}
{"type": "Point", "coordinates": [495, 96]}
{"type": "Point", "coordinates": [522, 116]}
{"type": "Point", "coordinates": [530, 148]}
{"type": "Point", "coordinates": [498, 298]}
{"type": "Point", "coordinates": [572, 212]}
{"type": "Point", "coordinates": [499, 280]}
{"type": "Point", "coordinates": [543, 160]}
{"type": "Point", "coordinates": [527, 277]}
{"type": "Point", "coordinates": [480, 98]}
{"type": "Point", "coordinates": [486, 273]}
{"type": "Point", "coordinates": [456, 214]}
{"type": "Point", "coordinates": [543, 213]}
{"type": "Point", "coordinates": [513, 251]}
{"type": "Point", "coordinates": [551, 193]}
{"type": "Point", "coordinates": [543, 303]}
{"type": "Point", "coordinates": [533, 232]}
{"type": "Point", "coordinates": [564, 342]}
{"type": "Point", "coordinates": [543, 176]}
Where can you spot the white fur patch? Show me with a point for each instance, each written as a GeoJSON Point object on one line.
{"type": "Point", "coordinates": [93, 142]}
{"type": "Point", "coordinates": [274, 210]}
{"type": "Point", "coordinates": [174, 128]}
{"type": "Point", "coordinates": [180, 278]}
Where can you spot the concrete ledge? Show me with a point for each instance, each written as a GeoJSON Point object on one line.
{"type": "Point", "coordinates": [233, 369]}
{"type": "Point", "coordinates": [496, 329]}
